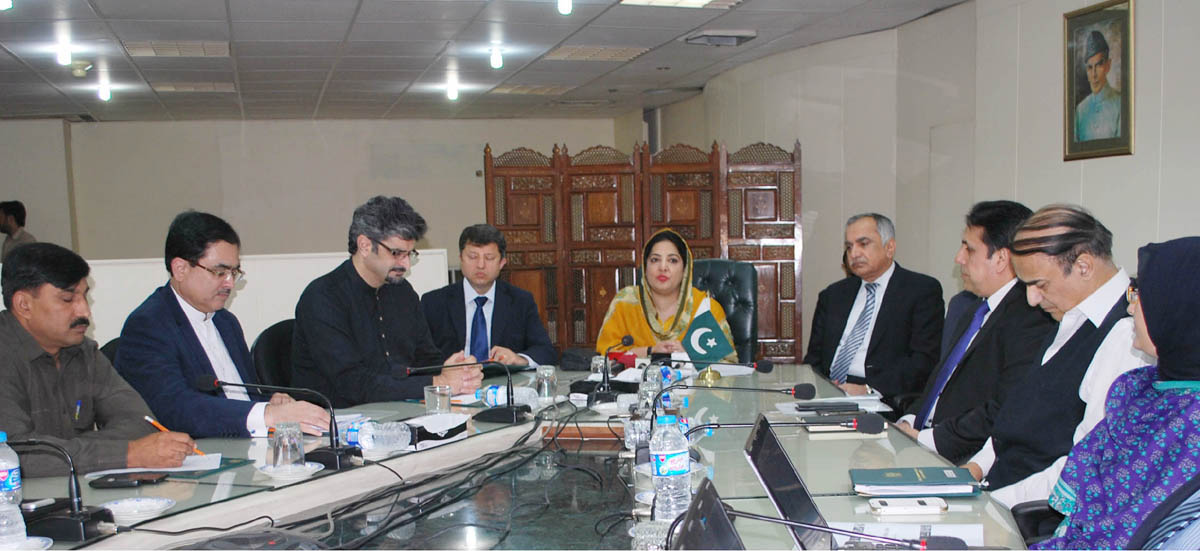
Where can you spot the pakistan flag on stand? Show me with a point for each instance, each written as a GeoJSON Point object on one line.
{"type": "Point", "coordinates": [704, 340]}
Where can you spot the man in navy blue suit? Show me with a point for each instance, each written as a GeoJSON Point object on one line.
{"type": "Point", "coordinates": [483, 316]}
{"type": "Point", "coordinates": [183, 334]}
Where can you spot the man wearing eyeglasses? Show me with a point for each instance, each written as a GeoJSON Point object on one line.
{"type": "Point", "coordinates": [359, 327]}
{"type": "Point", "coordinates": [182, 334]}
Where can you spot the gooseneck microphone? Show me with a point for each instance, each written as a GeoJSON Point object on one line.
{"type": "Point", "coordinates": [867, 423]}
{"type": "Point", "coordinates": [509, 413]}
{"type": "Point", "coordinates": [603, 391]}
{"type": "Point", "coordinates": [802, 391]}
{"type": "Point", "coordinates": [80, 523]}
{"type": "Point", "coordinates": [334, 457]}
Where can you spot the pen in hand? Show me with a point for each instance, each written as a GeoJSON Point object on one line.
{"type": "Point", "coordinates": [159, 426]}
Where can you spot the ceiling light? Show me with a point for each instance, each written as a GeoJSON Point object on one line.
{"type": "Point", "coordinates": [452, 87]}
{"type": "Point", "coordinates": [5, 5]}
{"type": "Point", "coordinates": [719, 4]}
{"type": "Point", "coordinates": [64, 54]}
{"type": "Point", "coordinates": [714, 37]}
{"type": "Point", "coordinates": [80, 67]}
{"type": "Point", "coordinates": [223, 87]}
{"type": "Point", "coordinates": [595, 53]}
{"type": "Point", "coordinates": [564, 7]}
{"type": "Point", "coordinates": [104, 93]}
{"type": "Point", "coordinates": [497, 60]}
{"type": "Point", "coordinates": [176, 48]}
{"type": "Point", "coordinates": [530, 89]}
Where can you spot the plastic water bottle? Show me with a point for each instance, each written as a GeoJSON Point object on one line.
{"type": "Point", "coordinates": [671, 468]}
{"type": "Point", "coordinates": [12, 524]}
{"type": "Point", "coordinates": [370, 435]}
{"type": "Point", "coordinates": [497, 395]}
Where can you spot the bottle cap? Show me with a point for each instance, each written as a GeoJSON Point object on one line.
{"type": "Point", "coordinates": [3, 437]}
{"type": "Point", "coordinates": [666, 419]}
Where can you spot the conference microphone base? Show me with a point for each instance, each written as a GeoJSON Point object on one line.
{"type": "Point", "coordinates": [68, 526]}
{"type": "Point", "coordinates": [509, 415]}
{"type": "Point", "coordinates": [601, 396]}
{"type": "Point", "coordinates": [335, 459]}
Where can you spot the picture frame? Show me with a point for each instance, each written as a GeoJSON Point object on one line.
{"type": "Point", "coordinates": [1098, 76]}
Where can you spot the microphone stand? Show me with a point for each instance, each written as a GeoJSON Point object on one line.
{"type": "Point", "coordinates": [509, 413]}
{"type": "Point", "coordinates": [803, 391]}
{"type": "Point", "coordinates": [858, 423]}
{"type": "Point", "coordinates": [78, 524]}
{"type": "Point", "coordinates": [603, 391]}
{"type": "Point", "coordinates": [334, 457]}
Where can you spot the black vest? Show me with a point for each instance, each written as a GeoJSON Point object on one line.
{"type": "Point", "coordinates": [1036, 425]}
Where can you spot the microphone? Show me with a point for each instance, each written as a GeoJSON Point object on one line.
{"type": "Point", "coordinates": [431, 368]}
{"type": "Point", "coordinates": [603, 391]}
{"type": "Point", "coordinates": [802, 391]}
{"type": "Point", "coordinates": [80, 523]}
{"type": "Point", "coordinates": [334, 457]}
{"type": "Point", "coordinates": [928, 542]}
{"type": "Point", "coordinates": [867, 423]}
{"type": "Point", "coordinates": [509, 413]}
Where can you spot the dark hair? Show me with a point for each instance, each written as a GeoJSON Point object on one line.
{"type": "Point", "coordinates": [999, 220]}
{"type": "Point", "coordinates": [665, 236]}
{"type": "Point", "coordinates": [30, 266]}
{"type": "Point", "coordinates": [192, 232]}
{"type": "Point", "coordinates": [14, 208]}
{"type": "Point", "coordinates": [383, 217]}
{"type": "Point", "coordinates": [483, 234]}
{"type": "Point", "coordinates": [1081, 233]}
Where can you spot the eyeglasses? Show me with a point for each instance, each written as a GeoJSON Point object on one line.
{"type": "Point", "coordinates": [1131, 292]}
{"type": "Point", "coordinates": [397, 254]}
{"type": "Point", "coordinates": [235, 273]}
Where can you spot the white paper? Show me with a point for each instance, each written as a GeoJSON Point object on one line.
{"type": "Point", "coordinates": [972, 534]}
{"type": "Point", "coordinates": [346, 418]}
{"type": "Point", "coordinates": [733, 370]}
{"type": "Point", "coordinates": [190, 463]}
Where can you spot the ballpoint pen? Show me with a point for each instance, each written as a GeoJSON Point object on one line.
{"type": "Point", "coordinates": [159, 426]}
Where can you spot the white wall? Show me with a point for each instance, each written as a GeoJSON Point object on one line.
{"type": "Point", "coordinates": [1149, 196]}
{"type": "Point", "coordinates": [33, 170]}
{"type": "Point", "coordinates": [290, 186]}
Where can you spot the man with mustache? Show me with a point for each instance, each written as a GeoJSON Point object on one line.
{"type": "Point", "coordinates": [504, 324]}
{"type": "Point", "coordinates": [55, 385]}
{"type": "Point", "coordinates": [359, 327]}
{"type": "Point", "coordinates": [182, 334]}
{"type": "Point", "coordinates": [879, 329]}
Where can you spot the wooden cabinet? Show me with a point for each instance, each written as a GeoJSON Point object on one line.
{"type": "Point", "coordinates": [575, 224]}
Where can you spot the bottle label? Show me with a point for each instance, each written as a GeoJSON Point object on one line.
{"type": "Point", "coordinates": [352, 434]}
{"type": "Point", "coordinates": [670, 464]}
{"type": "Point", "coordinates": [10, 480]}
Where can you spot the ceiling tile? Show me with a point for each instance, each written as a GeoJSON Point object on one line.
{"type": "Point", "coordinates": [285, 63]}
{"type": "Point", "coordinates": [516, 34]}
{"type": "Point", "coordinates": [185, 63]}
{"type": "Point", "coordinates": [618, 36]}
{"type": "Point", "coordinates": [812, 6]}
{"type": "Point", "coordinates": [48, 32]}
{"type": "Point", "coordinates": [293, 30]}
{"type": "Point", "coordinates": [171, 30]}
{"type": "Point", "coordinates": [384, 63]}
{"type": "Point", "coordinates": [405, 10]}
{"type": "Point", "coordinates": [560, 78]}
{"type": "Point", "coordinates": [41, 10]}
{"type": "Point", "coordinates": [292, 10]}
{"type": "Point", "coordinates": [542, 13]}
{"type": "Point", "coordinates": [645, 16]}
{"type": "Point", "coordinates": [287, 48]}
{"type": "Point", "coordinates": [755, 20]}
{"type": "Point", "coordinates": [263, 76]}
{"type": "Point", "coordinates": [415, 48]}
{"type": "Point", "coordinates": [162, 9]}
{"type": "Point", "coordinates": [406, 31]}
{"type": "Point", "coordinates": [188, 76]}
{"type": "Point", "coordinates": [376, 75]}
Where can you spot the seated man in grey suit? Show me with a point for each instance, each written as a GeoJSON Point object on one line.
{"type": "Point", "coordinates": [506, 327]}
{"type": "Point", "coordinates": [993, 340]}
{"type": "Point", "coordinates": [879, 328]}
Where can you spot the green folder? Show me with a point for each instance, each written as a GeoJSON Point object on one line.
{"type": "Point", "coordinates": [914, 481]}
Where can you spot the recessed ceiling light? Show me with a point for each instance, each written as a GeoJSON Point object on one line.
{"type": "Point", "coordinates": [5, 5]}
{"type": "Point", "coordinates": [719, 4]}
{"type": "Point", "coordinates": [712, 37]}
{"type": "Point", "coordinates": [496, 59]}
{"type": "Point", "coordinates": [176, 48]}
{"type": "Point", "coordinates": [564, 7]}
{"type": "Point", "coordinates": [220, 87]}
{"type": "Point", "coordinates": [530, 90]}
{"type": "Point", "coordinates": [595, 53]}
{"type": "Point", "coordinates": [452, 87]}
{"type": "Point", "coordinates": [104, 93]}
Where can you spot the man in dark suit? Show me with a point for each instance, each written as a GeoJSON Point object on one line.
{"type": "Point", "coordinates": [992, 340]}
{"type": "Point", "coordinates": [182, 334]}
{"type": "Point", "coordinates": [506, 328]}
{"type": "Point", "coordinates": [879, 328]}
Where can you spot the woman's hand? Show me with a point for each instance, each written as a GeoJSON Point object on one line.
{"type": "Point", "coordinates": [667, 347]}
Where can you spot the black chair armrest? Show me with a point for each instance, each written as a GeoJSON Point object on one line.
{"type": "Point", "coordinates": [1036, 520]}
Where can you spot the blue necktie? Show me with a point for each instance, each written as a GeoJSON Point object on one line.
{"type": "Point", "coordinates": [956, 355]}
{"type": "Point", "coordinates": [845, 354]}
{"type": "Point", "coordinates": [479, 337]}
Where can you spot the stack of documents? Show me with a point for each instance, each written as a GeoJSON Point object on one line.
{"type": "Point", "coordinates": [913, 481]}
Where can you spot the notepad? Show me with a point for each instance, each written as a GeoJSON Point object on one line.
{"type": "Point", "coordinates": [208, 462]}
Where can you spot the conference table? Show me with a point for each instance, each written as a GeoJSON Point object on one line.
{"type": "Point", "coordinates": [513, 486]}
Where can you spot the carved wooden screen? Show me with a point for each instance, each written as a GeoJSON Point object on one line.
{"type": "Point", "coordinates": [524, 201]}
{"type": "Point", "coordinates": [762, 190]}
{"type": "Point", "coordinates": [682, 192]}
{"type": "Point", "coordinates": [601, 191]}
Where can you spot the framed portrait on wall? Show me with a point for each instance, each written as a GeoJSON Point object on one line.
{"type": "Point", "coordinates": [1098, 80]}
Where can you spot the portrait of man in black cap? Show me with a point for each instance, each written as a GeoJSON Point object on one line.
{"type": "Point", "coordinates": [1098, 116]}
{"type": "Point", "coordinates": [1098, 80]}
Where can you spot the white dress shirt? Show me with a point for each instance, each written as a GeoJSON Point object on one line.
{"type": "Point", "coordinates": [1114, 357]}
{"type": "Point", "coordinates": [222, 364]}
{"type": "Point", "coordinates": [858, 364]}
{"type": "Point", "coordinates": [993, 302]}
{"type": "Point", "coordinates": [469, 296]}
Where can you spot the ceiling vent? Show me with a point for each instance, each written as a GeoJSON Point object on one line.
{"type": "Point", "coordinates": [712, 37]}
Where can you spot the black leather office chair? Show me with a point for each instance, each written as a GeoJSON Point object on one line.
{"type": "Point", "coordinates": [735, 286]}
{"type": "Point", "coordinates": [110, 350]}
{"type": "Point", "coordinates": [272, 353]}
{"type": "Point", "coordinates": [1036, 520]}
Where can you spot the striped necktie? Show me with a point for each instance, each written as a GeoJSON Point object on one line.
{"type": "Point", "coordinates": [845, 354]}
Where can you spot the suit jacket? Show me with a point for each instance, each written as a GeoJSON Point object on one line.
{"type": "Point", "coordinates": [954, 311]}
{"type": "Point", "coordinates": [1005, 348]}
{"type": "Point", "coordinates": [515, 322]}
{"type": "Point", "coordinates": [162, 358]}
{"type": "Point", "coordinates": [905, 342]}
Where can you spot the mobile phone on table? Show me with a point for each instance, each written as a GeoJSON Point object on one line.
{"type": "Point", "coordinates": [127, 480]}
{"type": "Point", "coordinates": [907, 505]}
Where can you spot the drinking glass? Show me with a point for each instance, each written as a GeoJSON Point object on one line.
{"type": "Point", "coordinates": [546, 383]}
{"type": "Point", "coordinates": [437, 399]}
{"type": "Point", "coordinates": [287, 447]}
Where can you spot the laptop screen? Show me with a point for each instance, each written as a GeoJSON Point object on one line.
{"type": "Point", "coordinates": [784, 486]}
{"type": "Point", "coordinates": [706, 525]}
